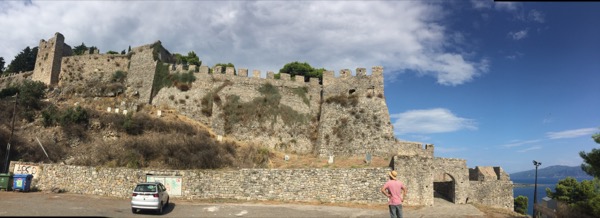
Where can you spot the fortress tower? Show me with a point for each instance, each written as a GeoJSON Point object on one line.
{"type": "Point", "coordinates": [47, 63]}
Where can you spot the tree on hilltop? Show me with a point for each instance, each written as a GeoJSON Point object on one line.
{"type": "Point", "coordinates": [83, 49]}
{"type": "Point", "coordinates": [302, 69]}
{"type": "Point", "coordinates": [582, 197]}
{"type": "Point", "coordinates": [190, 59]}
{"type": "Point", "coordinates": [24, 61]}
{"type": "Point", "coordinates": [80, 49]}
{"type": "Point", "coordinates": [591, 160]}
{"type": "Point", "coordinates": [224, 67]}
{"type": "Point", "coordinates": [2, 65]}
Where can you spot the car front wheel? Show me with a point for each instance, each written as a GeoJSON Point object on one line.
{"type": "Point", "coordinates": [133, 210]}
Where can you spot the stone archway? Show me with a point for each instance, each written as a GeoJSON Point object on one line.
{"type": "Point", "coordinates": [444, 186]}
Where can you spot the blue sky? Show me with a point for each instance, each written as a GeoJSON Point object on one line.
{"type": "Point", "coordinates": [497, 84]}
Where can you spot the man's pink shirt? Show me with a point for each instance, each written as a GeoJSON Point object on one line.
{"type": "Point", "coordinates": [395, 189]}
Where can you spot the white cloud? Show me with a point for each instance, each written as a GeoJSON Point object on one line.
{"type": "Point", "coordinates": [506, 6]}
{"type": "Point", "coordinates": [499, 6]}
{"type": "Point", "coordinates": [574, 133]}
{"type": "Point", "coordinates": [262, 35]}
{"type": "Point", "coordinates": [518, 35]}
{"type": "Point", "coordinates": [530, 149]}
{"type": "Point", "coordinates": [515, 55]}
{"type": "Point", "coordinates": [517, 143]}
{"type": "Point", "coordinates": [437, 120]}
{"type": "Point", "coordinates": [537, 16]}
{"type": "Point", "coordinates": [482, 4]}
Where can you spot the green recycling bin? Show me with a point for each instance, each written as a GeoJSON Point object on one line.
{"type": "Point", "coordinates": [6, 180]}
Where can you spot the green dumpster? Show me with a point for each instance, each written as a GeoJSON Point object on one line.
{"type": "Point", "coordinates": [6, 181]}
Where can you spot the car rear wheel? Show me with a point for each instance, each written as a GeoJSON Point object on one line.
{"type": "Point", "coordinates": [160, 208]}
{"type": "Point", "coordinates": [133, 210]}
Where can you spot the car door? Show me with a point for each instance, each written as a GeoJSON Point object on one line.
{"type": "Point", "coordinates": [163, 191]}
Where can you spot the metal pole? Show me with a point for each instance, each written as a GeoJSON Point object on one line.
{"type": "Point", "coordinates": [535, 188]}
{"type": "Point", "coordinates": [12, 130]}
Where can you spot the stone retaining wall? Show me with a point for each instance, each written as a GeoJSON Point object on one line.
{"type": "Point", "coordinates": [308, 185]}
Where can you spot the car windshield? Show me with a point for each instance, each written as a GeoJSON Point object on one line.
{"type": "Point", "coordinates": [145, 188]}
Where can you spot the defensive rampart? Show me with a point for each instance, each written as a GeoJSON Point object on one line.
{"type": "Point", "coordinates": [306, 185]}
{"type": "Point", "coordinates": [345, 115]}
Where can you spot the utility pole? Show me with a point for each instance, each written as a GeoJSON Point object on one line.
{"type": "Point", "coordinates": [12, 130]}
{"type": "Point", "coordinates": [536, 163]}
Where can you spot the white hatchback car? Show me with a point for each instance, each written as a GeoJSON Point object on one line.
{"type": "Point", "coordinates": [149, 195]}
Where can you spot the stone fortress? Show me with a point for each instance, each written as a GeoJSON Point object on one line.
{"type": "Point", "coordinates": [342, 116]}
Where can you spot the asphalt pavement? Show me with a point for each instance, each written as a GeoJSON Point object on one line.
{"type": "Point", "coordinates": [65, 204]}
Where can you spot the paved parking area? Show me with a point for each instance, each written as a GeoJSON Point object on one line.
{"type": "Point", "coordinates": [51, 204]}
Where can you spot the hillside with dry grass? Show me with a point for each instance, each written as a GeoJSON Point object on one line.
{"type": "Point", "coordinates": [79, 131]}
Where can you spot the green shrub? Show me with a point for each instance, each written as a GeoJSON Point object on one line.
{"type": "Point", "coordinates": [30, 93]}
{"type": "Point", "coordinates": [131, 126]}
{"type": "Point", "coordinates": [50, 116]}
{"type": "Point", "coordinates": [118, 76]}
{"type": "Point", "coordinates": [9, 92]}
{"type": "Point", "coordinates": [521, 204]}
{"type": "Point", "coordinates": [76, 115]}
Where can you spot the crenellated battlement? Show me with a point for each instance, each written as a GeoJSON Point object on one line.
{"type": "Point", "coordinates": [376, 77]}
{"type": "Point", "coordinates": [415, 149]}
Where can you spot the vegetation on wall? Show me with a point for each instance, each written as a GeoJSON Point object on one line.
{"type": "Point", "coordinates": [83, 49]}
{"type": "Point", "coordinates": [190, 59]}
{"type": "Point", "coordinates": [260, 109]}
{"type": "Point", "coordinates": [224, 67]}
{"type": "Point", "coordinates": [160, 80]}
{"type": "Point", "coordinates": [212, 97]}
{"type": "Point", "coordinates": [302, 69]}
{"type": "Point", "coordinates": [118, 76]}
{"type": "Point", "coordinates": [301, 92]}
{"type": "Point", "coordinates": [343, 100]}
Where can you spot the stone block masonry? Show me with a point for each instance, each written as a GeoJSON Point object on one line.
{"type": "Point", "coordinates": [48, 60]}
{"type": "Point", "coordinates": [141, 74]}
{"type": "Point", "coordinates": [303, 185]}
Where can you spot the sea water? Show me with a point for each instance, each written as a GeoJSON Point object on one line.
{"type": "Point", "coordinates": [528, 190]}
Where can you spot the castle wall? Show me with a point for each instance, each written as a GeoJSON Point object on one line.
{"type": "Point", "coordinates": [492, 193]}
{"type": "Point", "coordinates": [354, 115]}
{"type": "Point", "coordinates": [454, 172]}
{"type": "Point", "coordinates": [307, 185]}
{"type": "Point", "coordinates": [490, 186]}
{"type": "Point", "coordinates": [8, 80]}
{"type": "Point", "coordinates": [416, 172]}
{"type": "Point", "coordinates": [91, 70]}
{"type": "Point", "coordinates": [405, 148]}
{"type": "Point", "coordinates": [91, 75]}
{"type": "Point", "coordinates": [301, 98]}
{"type": "Point", "coordinates": [140, 77]}
{"type": "Point", "coordinates": [48, 60]}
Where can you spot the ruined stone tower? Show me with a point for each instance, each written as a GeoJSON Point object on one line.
{"type": "Point", "coordinates": [49, 56]}
{"type": "Point", "coordinates": [354, 115]}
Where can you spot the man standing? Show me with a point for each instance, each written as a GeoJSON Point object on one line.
{"type": "Point", "coordinates": [396, 192]}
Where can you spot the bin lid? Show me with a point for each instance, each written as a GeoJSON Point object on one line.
{"type": "Point", "coordinates": [22, 175]}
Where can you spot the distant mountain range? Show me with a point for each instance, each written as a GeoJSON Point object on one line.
{"type": "Point", "coordinates": [556, 171]}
